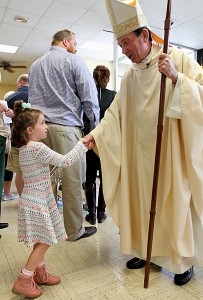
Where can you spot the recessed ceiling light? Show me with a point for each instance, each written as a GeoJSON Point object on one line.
{"type": "Point", "coordinates": [20, 19]}
{"type": "Point", "coordinates": [8, 49]}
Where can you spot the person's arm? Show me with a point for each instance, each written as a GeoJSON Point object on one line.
{"type": "Point", "coordinates": [2, 107]}
{"type": "Point", "coordinates": [189, 80]}
{"type": "Point", "coordinates": [87, 92]}
{"type": "Point", "coordinates": [76, 153]}
{"type": "Point", "coordinates": [47, 156]}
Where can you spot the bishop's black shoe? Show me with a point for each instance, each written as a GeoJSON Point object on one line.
{"type": "Point", "coordinates": [135, 263]}
{"type": "Point", "coordinates": [181, 279]}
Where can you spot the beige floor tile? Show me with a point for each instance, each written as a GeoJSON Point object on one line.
{"type": "Point", "coordinates": [195, 286]}
{"type": "Point", "coordinates": [119, 293]}
{"type": "Point", "coordinates": [92, 280]}
{"type": "Point", "coordinates": [6, 278]}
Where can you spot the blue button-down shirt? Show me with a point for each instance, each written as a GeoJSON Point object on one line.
{"type": "Point", "coordinates": [62, 87]}
{"type": "Point", "coordinates": [21, 94]}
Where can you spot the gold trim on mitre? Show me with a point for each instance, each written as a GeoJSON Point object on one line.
{"type": "Point", "coordinates": [127, 16]}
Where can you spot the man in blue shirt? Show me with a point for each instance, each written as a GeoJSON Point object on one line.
{"type": "Point", "coordinates": [21, 93]}
{"type": "Point", "coordinates": [63, 88]}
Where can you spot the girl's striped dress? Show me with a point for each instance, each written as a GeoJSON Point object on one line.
{"type": "Point", "coordinates": [39, 219]}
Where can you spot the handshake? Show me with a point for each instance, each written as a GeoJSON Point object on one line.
{"type": "Point", "coordinates": [88, 141]}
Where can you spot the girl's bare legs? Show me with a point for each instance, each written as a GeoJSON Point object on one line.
{"type": "Point", "coordinates": [37, 256]}
{"type": "Point", "coordinates": [36, 263]}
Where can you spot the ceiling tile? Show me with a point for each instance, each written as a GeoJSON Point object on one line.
{"type": "Point", "coordinates": [41, 36]}
{"type": "Point", "coordinates": [91, 18]}
{"type": "Point", "coordinates": [84, 32]}
{"type": "Point", "coordinates": [64, 12]}
{"type": "Point", "coordinates": [14, 31]}
{"type": "Point", "coordinates": [161, 4]}
{"type": "Point", "coordinates": [185, 40]}
{"type": "Point", "coordinates": [14, 41]}
{"type": "Point", "coordinates": [151, 12]}
{"type": "Point", "coordinates": [200, 18]}
{"type": "Point", "coordinates": [190, 9]}
{"type": "Point", "coordinates": [11, 14]}
{"type": "Point", "coordinates": [81, 3]}
{"type": "Point", "coordinates": [40, 47]}
{"type": "Point", "coordinates": [52, 25]}
{"type": "Point", "coordinates": [100, 7]}
{"type": "Point", "coordinates": [191, 29]}
{"type": "Point", "coordinates": [2, 11]}
{"type": "Point", "coordinates": [4, 3]}
{"type": "Point", "coordinates": [35, 7]}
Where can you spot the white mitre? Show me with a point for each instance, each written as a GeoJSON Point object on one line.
{"type": "Point", "coordinates": [127, 16]}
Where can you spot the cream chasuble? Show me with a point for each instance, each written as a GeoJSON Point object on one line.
{"type": "Point", "coordinates": [126, 141]}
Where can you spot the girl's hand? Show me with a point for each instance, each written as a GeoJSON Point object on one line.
{"type": "Point", "coordinates": [88, 141]}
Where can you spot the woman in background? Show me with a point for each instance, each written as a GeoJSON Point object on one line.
{"type": "Point", "coordinates": [101, 75]}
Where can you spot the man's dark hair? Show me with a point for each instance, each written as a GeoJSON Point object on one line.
{"type": "Point", "coordinates": [139, 31]}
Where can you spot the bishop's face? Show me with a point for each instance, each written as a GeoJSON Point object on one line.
{"type": "Point", "coordinates": [136, 48]}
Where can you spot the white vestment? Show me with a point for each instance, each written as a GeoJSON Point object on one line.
{"type": "Point", "coordinates": [126, 142]}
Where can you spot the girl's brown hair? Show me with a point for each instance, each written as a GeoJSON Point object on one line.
{"type": "Point", "coordinates": [101, 75]}
{"type": "Point", "coordinates": [23, 118]}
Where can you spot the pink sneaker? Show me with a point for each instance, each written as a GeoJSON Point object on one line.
{"type": "Point", "coordinates": [41, 276]}
{"type": "Point", "coordinates": [25, 286]}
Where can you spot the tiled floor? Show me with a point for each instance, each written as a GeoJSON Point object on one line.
{"type": "Point", "coordinates": [91, 268]}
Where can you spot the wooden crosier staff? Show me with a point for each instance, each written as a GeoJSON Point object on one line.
{"type": "Point", "coordinates": [158, 149]}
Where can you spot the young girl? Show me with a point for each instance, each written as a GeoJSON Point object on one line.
{"type": "Point", "coordinates": [39, 221]}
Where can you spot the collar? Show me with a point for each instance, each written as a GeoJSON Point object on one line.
{"type": "Point", "coordinates": [151, 59]}
{"type": "Point", "coordinates": [23, 88]}
{"type": "Point", "coordinates": [54, 48]}
{"type": "Point", "coordinates": [148, 59]}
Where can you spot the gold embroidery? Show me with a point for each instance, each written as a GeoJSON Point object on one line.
{"type": "Point", "coordinates": [129, 26]}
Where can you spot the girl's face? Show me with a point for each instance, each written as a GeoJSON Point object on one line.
{"type": "Point", "coordinates": [39, 131]}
